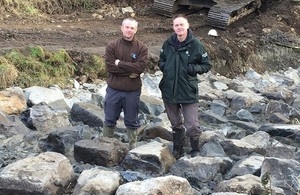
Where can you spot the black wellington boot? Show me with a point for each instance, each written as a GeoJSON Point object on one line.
{"type": "Point", "coordinates": [195, 147]}
{"type": "Point", "coordinates": [178, 142]}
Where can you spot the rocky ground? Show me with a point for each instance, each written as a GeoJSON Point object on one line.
{"type": "Point", "coordinates": [275, 25]}
{"type": "Point", "coordinates": [249, 145]}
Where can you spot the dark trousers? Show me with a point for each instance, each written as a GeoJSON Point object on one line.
{"type": "Point", "coordinates": [115, 101]}
{"type": "Point", "coordinates": [184, 115]}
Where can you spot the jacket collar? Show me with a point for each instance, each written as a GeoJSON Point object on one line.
{"type": "Point", "coordinates": [128, 42]}
{"type": "Point", "coordinates": [173, 39]}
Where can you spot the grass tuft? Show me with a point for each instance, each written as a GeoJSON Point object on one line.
{"type": "Point", "coordinates": [8, 73]}
{"type": "Point", "coordinates": [36, 66]}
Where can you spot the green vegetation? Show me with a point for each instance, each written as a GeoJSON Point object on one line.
{"type": "Point", "coordinates": [8, 73]}
{"type": "Point", "coordinates": [37, 66]}
{"type": "Point", "coordinates": [95, 63]}
{"type": "Point", "coordinates": [39, 7]}
{"type": "Point", "coordinates": [19, 7]}
{"type": "Point", "coordinates": [86, 4]}
{"type": "Point", "coordinates": [265, 180]}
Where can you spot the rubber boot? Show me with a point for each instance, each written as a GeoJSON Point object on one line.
{"type": "Point", "coordinates": [178, 142]}
{"type": "Point", "coordinates": [108, 131]}
{"type": "Point", "coordinates": [132, 137]}
{"type": "Point", "coordinates": [195, 147]}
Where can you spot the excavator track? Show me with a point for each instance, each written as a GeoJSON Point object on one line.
{"type": "Point", "coordinates": [225, 13]}
{"type": "Point", "coordinates": [164, 7]}
{"type": "Point", "coordinates": [222, 13]}
{"type": "Point", "coordinates": [218, 17]}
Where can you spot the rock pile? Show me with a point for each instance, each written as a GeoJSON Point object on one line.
{"type": "Point", "coordinates": [51, 140]}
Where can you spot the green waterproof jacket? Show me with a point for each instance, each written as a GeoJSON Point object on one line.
{"type": "Point", "coordinates": [180, 63]}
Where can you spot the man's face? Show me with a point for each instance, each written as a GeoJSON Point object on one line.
{"type": "Point", "coordinates": [180, 26]}
{"type": "Point", "coordinates": [129, 29]}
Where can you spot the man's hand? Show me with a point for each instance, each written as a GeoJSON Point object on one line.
{"type": "Point", "coordinates": [133, 75]}
{"type": "Point", "coordinates": [117, 62]}
{"type": "Point", "coordinates": [191, 70]}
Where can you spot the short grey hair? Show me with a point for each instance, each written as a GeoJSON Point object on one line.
{"type": "Point", "coordinates": [130, 20]}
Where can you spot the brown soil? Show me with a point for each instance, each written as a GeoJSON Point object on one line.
{"type": "Point", "coordinates": [83, 33]}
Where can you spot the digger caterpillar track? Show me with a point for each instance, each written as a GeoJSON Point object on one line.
{"type": "Point", "coordinates": [164, 7]}
{"type": "Point", "coordinates": [221, 13]}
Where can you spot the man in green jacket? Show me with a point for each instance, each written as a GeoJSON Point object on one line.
{"type": "Point", "coordinates": [182, 57]}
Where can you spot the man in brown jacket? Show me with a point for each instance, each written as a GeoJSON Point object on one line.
{"type": "Point", "coordinates": [125, 59]}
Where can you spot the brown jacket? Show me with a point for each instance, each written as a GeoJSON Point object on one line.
{"type": "Point", "coordinates": [133, 56]}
